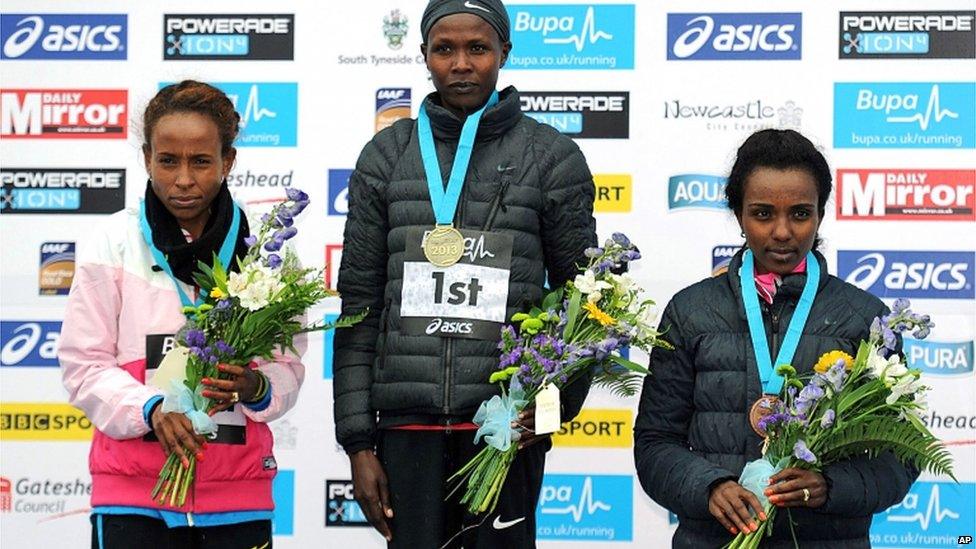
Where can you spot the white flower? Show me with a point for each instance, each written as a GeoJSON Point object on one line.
{"type": "Point", "coordinates": [594, 297]}
{"type": "Point", "coordinates": [587, 284]}
{"type": "Point", "coordinates": [647, 321]}
{"type": "Point", "coordinates": [885, 369]}
{"type": "Point", "coordinates": [906, 385]}
{"type": "Point", "coordinates": [256, 287]}
{"type": "Point", "coordinates": [624, 282]}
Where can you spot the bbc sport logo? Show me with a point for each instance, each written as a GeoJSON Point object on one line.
{"type": "Point", "coordinates": [910, 274]}
{"type": "Point", "coordinates": [63, 36]}
{"type": "Point", "coordinates": [269, 112]}
{"type": "Point", "coordinates": [933, 514]}
{"type": "Point", "coordinates": [586, 507]}
{"type": "Point", "coordinates": [939, 358]}
{"type": "Point", "coordinates": [905, 115]}
{"type": "Point", "coordinates": [734, 36]}
{"type": "Point", "coordinates": [572, 36]}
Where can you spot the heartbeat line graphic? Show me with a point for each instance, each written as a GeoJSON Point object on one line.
{"type": "Point", "coordinates": [586, 504]}
{"type": "Point", "coordinates": [252, 110]}
{"type": "Point", "coordinates": [924, 519]}
{"type": "Point", "coordinates": [932, 108]}
{"type": "Point", "coordinates": [476, 250]}
{"type": "Point", "coordinates": [588, 32]}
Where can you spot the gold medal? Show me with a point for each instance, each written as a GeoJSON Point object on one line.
{"type": "Point", "coordinates": [763, 407]}
{"type": "Point", "coordinates": [444, 246]}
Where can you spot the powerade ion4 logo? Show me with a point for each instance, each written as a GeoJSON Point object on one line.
{"type": "Point", "coordinates": [905, 115]}
{"type": "Point", "coordinates": [584, 115]}
{"type": "Point", "coordinates": [66, 190]}
{"type": "Point", "coordinates": [341, 508]}
{"type": "Point", "coordinates": [695, 190]}
{"type": "Point", "coordinates": [64, 114]}
{"type": "Point", "coordinates": [933, 514]}
{"type": "Point", "coordinates": [228, 37]}
{"type": "Point", "coordinates": [911, 274]}
{"type": "Point", "coordinates": [29, 343]}
{"type": "Point", "coordinates": [572, 36]}
{"type": "Point", "coordinates": [939, 358]}
{"type": "Point", "coordinates": [734, 36]}
{"type": "Point", "coordinates": [586, 507]}
{"type": "Point", "coordinates": [907, 34]}
{"type": "Point", "coordinates": [94, 37]}
{"type": "Point", "coordinates": [909, 195]}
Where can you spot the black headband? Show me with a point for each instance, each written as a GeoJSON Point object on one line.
{"type": "Point", "coordinates": [492, 11]}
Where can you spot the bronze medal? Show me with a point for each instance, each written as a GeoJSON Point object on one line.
{"type": "Point", "coordinates": [444, 246]}
{"type": "Point", "coordinates": [764, 406]}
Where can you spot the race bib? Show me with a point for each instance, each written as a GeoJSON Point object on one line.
{"type": "Point", "coordinates": [467, 299]}
{"type": "Point", "coordinates": [231, 423]}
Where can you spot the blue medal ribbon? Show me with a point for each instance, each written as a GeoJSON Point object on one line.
{"type": "Point", "coordinates": [445, 201]}
{"type": "Point", "coordinates": [772, 382]}
{"type": "Point", "coordinates": [226, 250]}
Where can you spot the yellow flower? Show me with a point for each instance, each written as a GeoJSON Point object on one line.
{"type": "Point", "coordinates": [596, 314]}
{"type": "Point", "coordinates": [217, 293]}
{"type": "Point", "coordinates": [827, 361]}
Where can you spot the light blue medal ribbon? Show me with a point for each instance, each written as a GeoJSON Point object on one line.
{"type": "Point", "coordinates": [772, 382]}
{"type": "Point", "coordinates": [445, 201]}
{"type": "Point", "coordinates": [226, 254]}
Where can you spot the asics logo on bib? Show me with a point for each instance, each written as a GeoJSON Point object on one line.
{"type": "Point", "coordinates": [439, 325]}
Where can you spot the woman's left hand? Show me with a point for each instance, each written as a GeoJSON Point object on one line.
{"type": "Point", "coordinates": [795, 487]}
{"type": "Point", "coordinates": [240, 387]}
{"type": "Point", "coordinates": [526, 421]}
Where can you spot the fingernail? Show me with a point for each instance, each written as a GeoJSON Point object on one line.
{"type": "Point", "coordinates": [206, 380]}
{"type": "Point", "coordinates": [514, 425]}
{"type": "Point", "coordinates": [733, 530]}
{"type": "Point", "coordinates": [186, 462]}
{"type": "Point", "coordinates": [389, 513]}
{"type": "Point", "coordinates": [754, 526]}
{"type": "Point", "coordinates": [768, 492]}
{"type": "Point", "coordinates": [199, 456]}
{"type": "Point", "coordinates": [762, 515]}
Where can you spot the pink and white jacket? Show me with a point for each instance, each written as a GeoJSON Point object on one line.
{"type": "Point", "coordinates": [116, 301]}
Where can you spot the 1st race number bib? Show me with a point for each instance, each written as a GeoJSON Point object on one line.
{"type": "Point", "coordinates": [467, 299]}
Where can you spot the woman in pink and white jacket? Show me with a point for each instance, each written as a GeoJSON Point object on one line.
{"type": "Point", "coordinates": [123, 311]}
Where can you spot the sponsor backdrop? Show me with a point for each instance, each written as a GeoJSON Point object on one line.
{"type": "Point", "coordinates": [889, 94]}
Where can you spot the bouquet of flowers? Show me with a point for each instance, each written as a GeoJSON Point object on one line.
{"type": "Point", "coordinates": [850, 406]}
{"type": "Point", "coordinates": [578, 330]}
{"type": "Point", "coordinates": [246, 314]}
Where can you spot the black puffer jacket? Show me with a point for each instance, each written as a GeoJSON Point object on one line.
{"type": "Point", "coordinates": [524, 179]}
{"type": "Point", "coordinates": [693, 430]}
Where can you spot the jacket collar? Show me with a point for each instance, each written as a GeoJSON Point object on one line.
{"type": "Point", "coordinates": [494, 122]}
{"type": "Point", "coordinates": [792, 285]}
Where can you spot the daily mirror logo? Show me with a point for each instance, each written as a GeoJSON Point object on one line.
{"type": "Point", "coordinates": [66, 36]}
{"type": "Point", "coordinates": [933, 514]}
{"type": "Point", "coordinates": [586, 507]}
{"type": "Point", "coordinates": [734, 36]}
{"type": "Point", "coordinates": [572, 36]}
{"type": "Point", "coordinates": [695, 190]}
{"type": "Point", "coordinates": [906, 195]}
{"type": "Point", "coordinates": [939, 358]}
{"type": "Point", "coordinates": [64, 114]}
{"type": "Point", "coordinates": [905, 115]}
{"type": "Point", "coordinates": [910, 274]}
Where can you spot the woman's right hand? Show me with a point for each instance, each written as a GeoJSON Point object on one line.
{"type": "Point", "coordinates": [730, 504]}
{"type": "Point", "coordinates": [175, 434]}
{"type": "Point", "coordinates": [371, 491]}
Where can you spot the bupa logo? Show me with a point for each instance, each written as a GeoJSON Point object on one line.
{"type": "Point", "coordinates": [903, 115]}
{"type": "Point", "coordinates": [910, 195]}
{"type": "Point", "coordinates": [64, 114]}
{"type": "Point", "coordinates": [341, 508]}
{"type": "Point", "coordinates": [572, 36]}
{"type": "Point", "coordinates": [695, 190]}
{"type": "Point", "coordinates": [939, 358]}
{"type": "Point", "coordinates": [63, 36]}
{"type": "Point", "coordinates": [283, 494]}
{"type": "Point", "coordinates": [729, 36]}
{"type": "Point", "coordinates": [339, 191]}
{"type": "Point", "coordinates": [721, 257]}
{"type": "Point", "coordinates": [29, 343]}
{"type": "Point", "coordinates": [933, 514]}
{"type": "Point", "coordinates": [911, 274]}
{"type": "Point", "coordinates": [586, 507]}
{"type": "Point", "coordinates": [269, 112]}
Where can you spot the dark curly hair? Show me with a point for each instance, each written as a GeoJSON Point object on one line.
{"type": "Point", "coordinates": [197, 97]}
{"type": "Point", "coordinates": [782, 150]}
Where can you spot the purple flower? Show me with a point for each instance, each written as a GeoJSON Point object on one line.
{"type": "Point", "coordinates": [621, 238]}
{"type": "Point", "coordinates": [250, 240]}
{"type": "Point", "coordinates": [827, 419]}
{"type": "Point", "coordinates": [195, 338]}
{"type": "Point", "coordinates": [223, 305]}
{"type": "Point", "coordinates": [605, 347]}
{"type": "Point", "coordinates": [901, 305]}
{"type": "Point", "coordinates": [296, 194]}
{"type": "Point", "coordinates": [888, 337]}
{"type": "Point", "coordinates": [299, 207]}
{"type": "Point", "coordinates": [836, 375]}
{"type": "Point", "coordinates": [223, 348]}
{"type": "Point", "coordinates": [630, 255]}
{"type": "Point", "coordinates": [273, 245]}
{"type": "Point", "coordinates": [267, 219]}
{"type": "Point", "coordinates": [286, 233]}
{"type": "Point", "coordinates": [801, 451]}
{"type": "Point", "coordinates": [274, 261]}
{"type": "Point", "coordinates": [808, 398]}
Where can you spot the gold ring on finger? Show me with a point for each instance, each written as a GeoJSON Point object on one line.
{"type": "Point", "coordinates": [806, 495]}
{"type": "Point", "coordinates": [235, 397]}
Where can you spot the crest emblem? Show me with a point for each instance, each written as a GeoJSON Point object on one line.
{"type": "Point", "coordinates": [395, 29]}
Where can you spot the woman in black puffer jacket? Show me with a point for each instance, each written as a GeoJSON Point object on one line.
{"type": "Point", "coordinates": [693, 431]}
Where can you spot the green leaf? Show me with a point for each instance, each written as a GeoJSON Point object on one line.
{"type": "Point", "coordinates": [629, 364]}
{"type": "Point", "coordinates": [571, 314]}
{"type": "Point", "coordinates": [885, 434]}
{"type": "Point", "coordinates": [219, 274]}
{"type": "Point", "coordinates": [552, 299]}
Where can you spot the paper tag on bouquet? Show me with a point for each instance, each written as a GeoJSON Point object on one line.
{"type": "Point", "coordinates": [172, 367]}
{"type": "Point", "coordinates": [547, 410]}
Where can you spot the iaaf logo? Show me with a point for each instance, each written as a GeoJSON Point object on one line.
{"type": "Point", "coordinates": [693, 36]}
{"type": "Point", "coordinates": [911, 274]}
{"type": "Point", "coordinates": [392, 104]}
{"type": "Point", "coordinates": [29, 343]}
{"type": "Point", "coordinates": [441, 326]}
{"type": "Point", "coordinates": [64, 114]}
{"type": "Point", "coordinates": [721, 257]}
{"type": "Point", "coordinates": [63, 36]}
{"type": "Point", "coordinates": [937, 195]}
